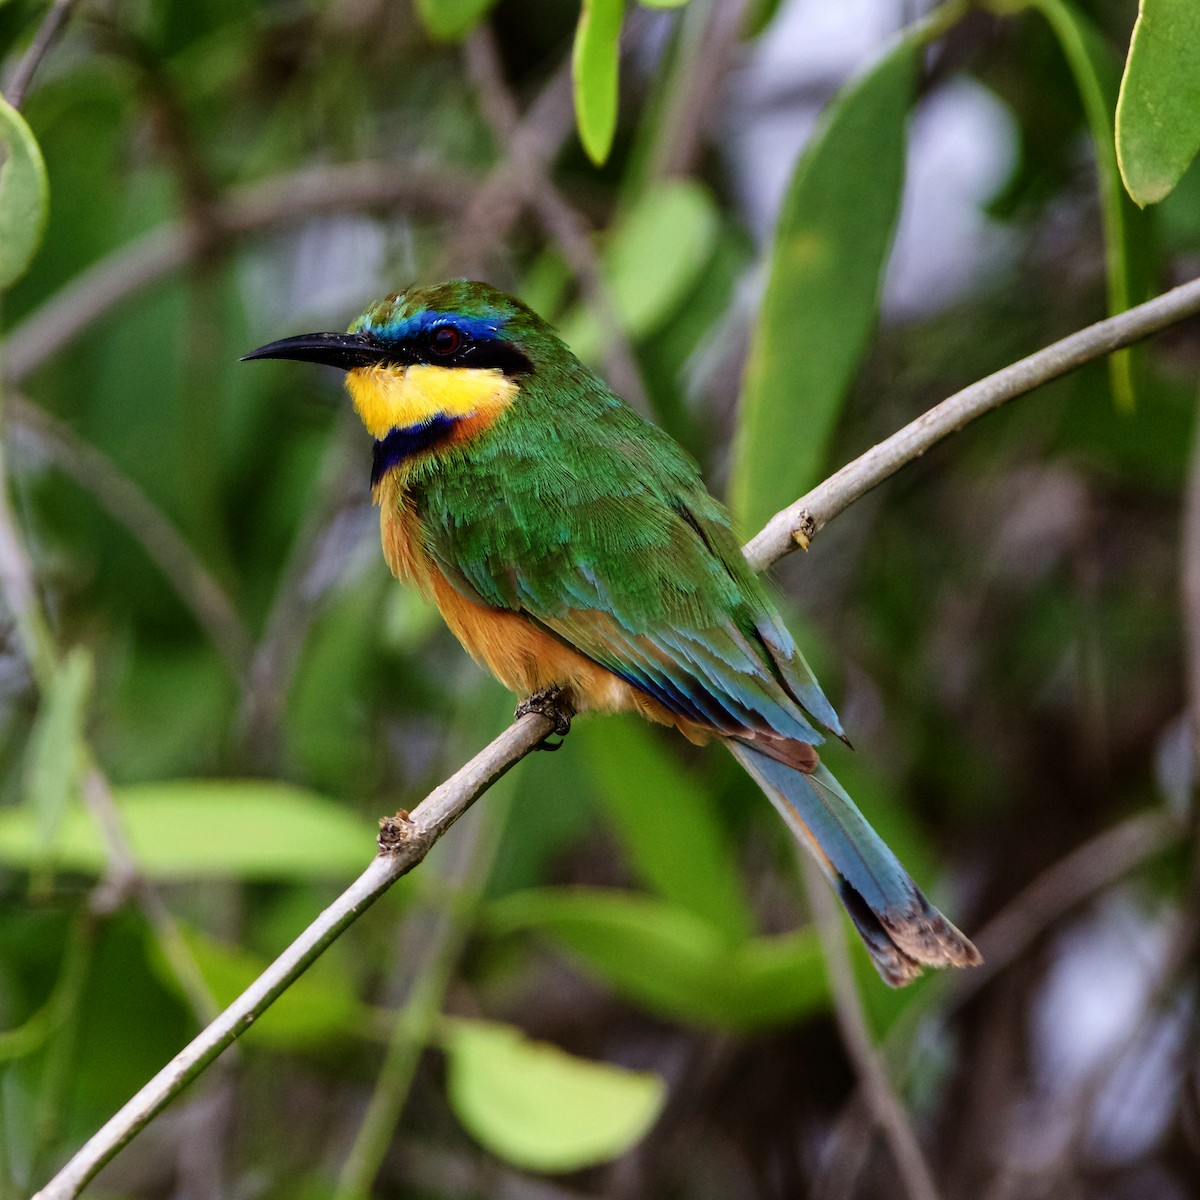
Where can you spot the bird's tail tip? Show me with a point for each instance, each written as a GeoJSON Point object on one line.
{"type": "Point", "coordinates": [902, 931]}
{"type": "Point", "coordinates": [903, 943]}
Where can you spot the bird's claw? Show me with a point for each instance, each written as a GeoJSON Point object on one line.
{"type": "Point", "coordinates": [554, 706]}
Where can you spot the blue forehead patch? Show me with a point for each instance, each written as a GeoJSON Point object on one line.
{"type": "Point", "coordinates": [482, 329]}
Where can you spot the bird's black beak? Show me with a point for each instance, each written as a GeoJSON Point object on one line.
{"type": "Point", "coordinates": [345, 350]}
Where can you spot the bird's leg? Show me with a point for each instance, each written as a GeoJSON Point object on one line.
{"type": "Point", "coordinates": [553, 704]}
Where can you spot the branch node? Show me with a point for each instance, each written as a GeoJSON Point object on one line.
{"type": "Point", "coordinates": [396, 833]}
{"type": "Point", "coordinates": [805, 530]}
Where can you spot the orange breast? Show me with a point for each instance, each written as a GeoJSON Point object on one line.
{"type": "Point", "coordinates": [522, 656]}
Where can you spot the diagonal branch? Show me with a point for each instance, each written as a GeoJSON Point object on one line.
{"type": "Point", "coordinates": [406, 839]}
{"type": "Point", "coordinates": [885, 1106]}
{"type": "Point", "coordinates": [404, 842]}
{"type": "Point", "coordinates": [43, 39]}
{"type": "Point", "coordinates": [797, 523]}
{"type": "Point", "coordinates": [252, 208]}
{"type": "Point", "coordinates": [127, 504]}
{"type": "Point", "coordinates": [558, 218]}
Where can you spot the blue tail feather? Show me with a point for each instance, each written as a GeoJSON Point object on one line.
{"type": "Point", "coordinates": [902, 931]}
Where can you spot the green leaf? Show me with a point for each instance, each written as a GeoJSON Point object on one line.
{"type": "Point", "coordinates": [669, 960]}
{"type": "Point", "coordinates": [1158, 110]}
{"type": "Point", "coordinates": [594, 69]}
{"type": "Point", "coordinates": [449, 20]}
{"type": "Point", "coordinates": [827, 263]}
{"type": "Point", "coordinates": [53, 761]}
{"type": "Point", "coordinates": [1091, 65]}
{"type": "Point", "coordinates": [668, 824]}
{"type": "Point", "coordinates": [24, 195]}
{"type": "Point", "coordinates": [650, 262]}
{"type": "Point", "coordinates": [318, 1007]}
{"type": "Point", "coordinates": [540, 1108]}
{"type": "Point", "coordinates": [190, 829]}
{"type": "Point", "coordinates": [759, 15]}
{"type": "Point", "coordinates": [662, 3]}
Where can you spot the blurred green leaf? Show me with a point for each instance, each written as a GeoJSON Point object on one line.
{"type": "Point", "coordinates": [52, 759]}
{"type": "Point", "coordinates": [189, 829]}
{"type": "Point", "coordinates": [452, 19]}
{"type": "Point", "coordinates": [669, 960]}
{"type": "Point", "coordinates": [594, 67]}
{"type": "Point", "coordinates": [827, 263]}
{"type": "Point", "coordinates": [331, 742]}
{"type": "Point", "coordinates": [24, 195]}
{"type": "Point", "coordinates": [668, 824]}
{"type": "Point", "coordinates": [650, 262]}
{"type": "Point", "coordinates": [662, 3]}
{"type": "Point", "coordinates": [759, 15]}
{"type": "Point", "coordinates": [540, 1108]}
{"type": "Point", "coordinates": [1092, 66]}
{"type": "Point", "coordinates": [1158, 109]}
{"type": "Point", "coordinates": [318, 1007]}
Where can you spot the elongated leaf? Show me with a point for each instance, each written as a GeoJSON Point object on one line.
{"type": "Point", "coordinates": [24, 195]}
{"type": "Point", "coordinates": [831, 247]}
{"type": "Point", "coordinates": [670, 961]}
{"type": "Point", "coordinates": [452, 19]}
{"type": "Point", "coordinates": [594, 67]}
{"type": "Point", "coordinates": [540, 1108]}
{"type": "Point", "coordinates": [245, 829]}
{"type": "Point", "coordinates": [657, 250]}
{"type": "Point", "coordinates": [1095, 76]}
{"type": "Point", "coordinates": [1158, 110]}
{"type": "Point", "coordinates": [52, 762]}
{"type": "Point", "coordinates": [650, 262]}
{"type": "Point", "coordinates": [668, 824]}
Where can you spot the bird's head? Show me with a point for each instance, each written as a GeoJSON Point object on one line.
{"type": "Point", "coordinates": [450, 352]}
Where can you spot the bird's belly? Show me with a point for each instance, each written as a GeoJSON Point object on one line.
{"type": "Point", "coordinates": [525, 658]}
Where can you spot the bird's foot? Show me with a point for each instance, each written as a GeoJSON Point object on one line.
{"type": "Point", "coordinates": [555, 707]}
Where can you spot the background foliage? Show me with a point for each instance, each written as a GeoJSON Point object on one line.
{"type": "Point", "coordinates": [604, 982]}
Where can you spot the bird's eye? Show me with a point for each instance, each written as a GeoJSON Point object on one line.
{"type": "Point", "coordinates": [445, 339]}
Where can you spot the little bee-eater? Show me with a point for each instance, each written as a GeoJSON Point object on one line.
{"type": "Point", "coordinates": [574, 550]}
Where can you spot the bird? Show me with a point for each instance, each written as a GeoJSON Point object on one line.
{"type": "Point", "coordinates": [574, 550]}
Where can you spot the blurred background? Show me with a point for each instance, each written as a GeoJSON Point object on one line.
{"type": "Point", "coordinates": [230, 689]}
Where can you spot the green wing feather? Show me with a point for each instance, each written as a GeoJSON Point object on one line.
{"type": "Point", "coordinates": [594, 523]}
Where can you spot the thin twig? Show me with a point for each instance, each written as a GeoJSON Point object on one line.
{"type": "Point", "coordinates": [570, 231]}
{"type": "Point", "coordinates": [1083, 872]}
{"type": "Point", "coordinates": [885, 1106]}
{"type": "Point", "coordinates": [708, 43]}
{"type": "Point", "coordinates": [495, 205]}
{"type": "Point", "coordinates": [795, 525]}
{"type": "Point", "coordinates": [1088, 869]}
{"type": "Point", "coordinates": [298, 195]}
{"type": "Point", "coordinates": [557, 217]}
{"type": "Point", "coordinates": [48, 31]}
{"type": "Point", "coordinates": [154, 531]}
{"type": "Point", "coordinates": [404, 842]}
{"type": "Point", "coordinates": [19, 592]}
{"type": "Point", "coordinates": [1190, 589]}
{"type": "Point", "coordinates": [1162, 995]}
{"type": "Point", "coordinates": [408, 841]}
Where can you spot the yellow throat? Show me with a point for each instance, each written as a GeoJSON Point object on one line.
{"type": "Point", "coordinates": [388, 396]}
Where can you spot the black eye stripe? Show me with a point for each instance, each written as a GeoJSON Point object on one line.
{"type": "Point", "coordinates": [484, 354]}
